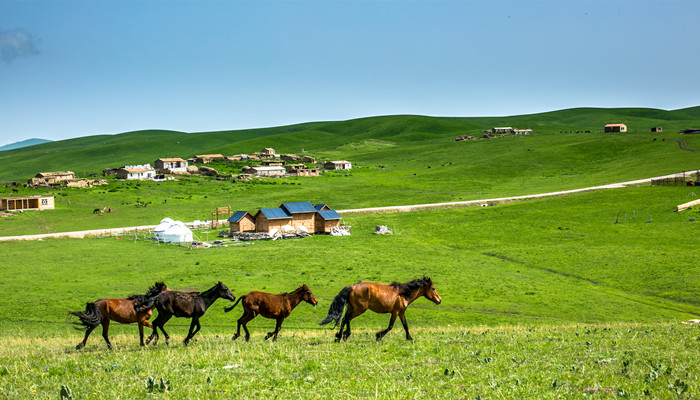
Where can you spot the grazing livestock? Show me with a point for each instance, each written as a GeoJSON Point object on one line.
{"type": "Point", "coordinates": [381, 298]}
{"type": "Point", "coordinates": [183, 305]}
{"type": "Point", "coordinates": [102, 311]}
{"type": "Point", "coordinates": [273, 306]}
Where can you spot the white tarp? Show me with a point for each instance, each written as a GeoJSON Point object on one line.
{"type": "Point", "coordinates": [162, 227]}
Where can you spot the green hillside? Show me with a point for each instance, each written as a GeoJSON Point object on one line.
{"type": "Point", "coordinates": [93, 153]}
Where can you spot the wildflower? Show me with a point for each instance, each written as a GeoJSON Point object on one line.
{"type": "Point", "coordinates": [46, 368]}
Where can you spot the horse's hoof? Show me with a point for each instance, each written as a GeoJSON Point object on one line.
{"type": "Point", "coordinates": [337, 340]}
{"type": "Point", "coordinates": [247, 338]}
{"type": "Point", "coordinates": [234, 337]}
{"type": "Point", "coordinates": [78, 347]}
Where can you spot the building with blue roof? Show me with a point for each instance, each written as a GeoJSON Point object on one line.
{"type": "Point", "coordinates": [241, 221]}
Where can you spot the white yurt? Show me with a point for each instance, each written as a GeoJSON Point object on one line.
{"type": "Point", "coordinates": [177, 233]}
{"type": "Point", "coordinates": [162, 227]}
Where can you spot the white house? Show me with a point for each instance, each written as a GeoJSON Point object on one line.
{"type": "Point", "coordinates": [272, 172]}
{"type": "Point", "coordinates": [132, 172]}
{"type": "Point", "coordinates": [174, 165]}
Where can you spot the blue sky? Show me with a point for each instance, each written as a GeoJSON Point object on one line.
{"type": "Point", "coordinates": [79, 68]}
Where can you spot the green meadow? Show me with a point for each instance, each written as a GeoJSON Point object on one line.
{"type": "Point", "coordinates": [564, 297]}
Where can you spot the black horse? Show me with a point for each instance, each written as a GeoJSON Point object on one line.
{"type": "Point", "coordinates": [183, 305]}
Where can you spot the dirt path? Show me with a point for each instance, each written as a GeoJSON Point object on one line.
{"type": "Point", "coordinates": [416, 207]}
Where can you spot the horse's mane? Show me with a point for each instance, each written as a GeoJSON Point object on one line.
{"type": "Point", "coordinates": [210, 290]}
{"type": "Point", "coordinates": [407, 289]}
{"type": "Point", "coordinates": [152, 292]}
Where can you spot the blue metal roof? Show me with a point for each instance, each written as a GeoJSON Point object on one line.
{"type": "Point", "coordinates": [275, 213]}
{"type": "Point", "coordinates": [329, 214]}
{"type": "Point", "coordinates": [236, 217]}
{"type": "Point", "coordinates": [319, 206]}
{"type": "Point", "coordinates": [299, 207]}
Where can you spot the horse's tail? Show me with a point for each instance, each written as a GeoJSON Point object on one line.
{"type": "Point", "coordinates": [90, 318]}
{"type": "Point", "coordinates": [227, 309]}
{"type": "Point", "coordinates": [337, 306]}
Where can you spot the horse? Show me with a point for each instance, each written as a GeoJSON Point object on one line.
{"type": "Point", "coordinates": [381, 298]}
{"type": "Point", "coordinates": [183, 305]}
{"type": "Point", "coordinates": [102, 311]}
{"type": "Point", "coordinates": [273, 306]}
{"type": "Point", "coordinates": [99, 211]}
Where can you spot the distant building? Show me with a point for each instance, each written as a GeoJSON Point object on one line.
{"type": "Point", "coordinates": [206, 158]}
{"type": "Point", "coordinates": [268, 152]}
{"type": "Point", "coordinates": [338, 165]}
{"type": "Point", "coordinates": [615, 128]}
{"type": "Point", "coordinates": [270, 172]}
{"type": "Point", "coordinates": [136, 172]}
{"type": "Point", "coordinates": [171, 165]}
{"type": "Point", "coordinates": [502, 129]}
{"type": "Point", "coordinates": [51, 178]}
{"type": "Point", "coordinates": [657, 129]}
{"type": "Point", "coordinates": [27, 203]}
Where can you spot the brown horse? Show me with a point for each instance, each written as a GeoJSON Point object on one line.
{"type": "Point", "coordinates": [102, 311]}
{"type": "Point", "coordinates": [274, 306]}
{"type": "Point", "coordinates": [380, 298]}
{"type": "Point", "coordinates": [183, 305]}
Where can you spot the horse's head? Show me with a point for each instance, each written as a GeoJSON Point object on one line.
{"type": "Point", "coordinates": [432, 294]}
{"type": "Point", "coordinates": [224, 292]}
{"type": "Point", "coordinates": [308, 296]}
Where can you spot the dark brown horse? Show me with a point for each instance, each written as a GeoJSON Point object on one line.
{"type": "Point", "coordinates": [380, 298]}
{"type": "Point", "coordinates": [102, 311]}
{"type": "Point", "coordinates": [273, 306]}
{"type": "Point", "coordinates": [183, 305]}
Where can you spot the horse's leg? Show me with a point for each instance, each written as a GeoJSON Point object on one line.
{"type": "Point", "coordinates": [243, 321]}
{"type": "Point", "coordinates": [161, 326]}
{"type": "Point", "coordinates": [381, 334]}
{"type": "Point", "coordinates": [87, 333]}
{"type": "Point", "coordinates": [343, 322]}
{"type": "Point", "coordinates": [402, 316]}
{"type": "Point", "coordinates": [154, 334]}
{"type": "Point", "coordinates": [193, 329]}
{"type": "Point", "coordinates": [278, 326]}
{"type": "Point", "coordinates": [105, 331]}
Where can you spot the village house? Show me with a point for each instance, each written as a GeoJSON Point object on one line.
{"type": "Point", "coordinates": [290, 157]}
{"type": "Point", "coordinates": [326, 219]}
{"type": "Point", "coordinates": [35, 202]}
{"type": "Point", "coordinates": [657, 129]}
{"type": "Point", "coordinates": [136, 172]}
{"type": "Point", "coordinates": [269, 172]}
{"type": "Point", "coordinates": [241, 221]}
{"type": "Point", "coordinates": [267, 219]}
{"type": "Point", "coordinates": [308, 160]}
{"type": "Point", "coordinates": [301, 170]}
{"type": "Point", "coordinates": [615, 128]}
{"type": "Point", "coordinates": [268, 152]}
{"type": "Point", "coordinates": [171, 165]}
{"type": "Point", "coordinates": [337, 165]}
{"type": "Point", "coordinates": [303, 215]}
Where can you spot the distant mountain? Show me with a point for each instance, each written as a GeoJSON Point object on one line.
{"type": "Point", "coordinates": [23, 143]}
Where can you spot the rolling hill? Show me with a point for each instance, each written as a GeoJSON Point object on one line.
{"type": "Point", "coordinates": [331, 139]}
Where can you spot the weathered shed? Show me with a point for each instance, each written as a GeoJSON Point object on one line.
{"type": "Point", "coordinates": [615, 128]}
{"type": "Point", "coordinates": [267, 219]}
{"type": "Point", "coordinates": [241, 221]}
{"type": "Point", "coordinates": [326, 220]}
{"type": "Point", "coordinates": [657, 129]}
{"type": "Point", "coordinates": [336, 165]}
{"type": "Point", "coordinates": [36, 202]}
{"type": "Point", "coordinates": [303, 214]}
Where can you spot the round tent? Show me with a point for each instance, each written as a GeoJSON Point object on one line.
{"type": "Point", "coordinates": [177, 233]}
{"type": "Point", "coordinates": [162, 227]}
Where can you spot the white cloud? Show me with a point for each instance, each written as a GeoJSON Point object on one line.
{"type": "Point", "coordinates": [16, 43]}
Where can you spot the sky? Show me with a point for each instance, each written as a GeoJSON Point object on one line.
{"type": "Point", "coordinates": [81, 68]}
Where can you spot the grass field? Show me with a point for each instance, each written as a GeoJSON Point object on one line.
{"type": "Point", "coordinates": [543, 298]}
{"type": "Point", "coordinates": [565, 297]}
